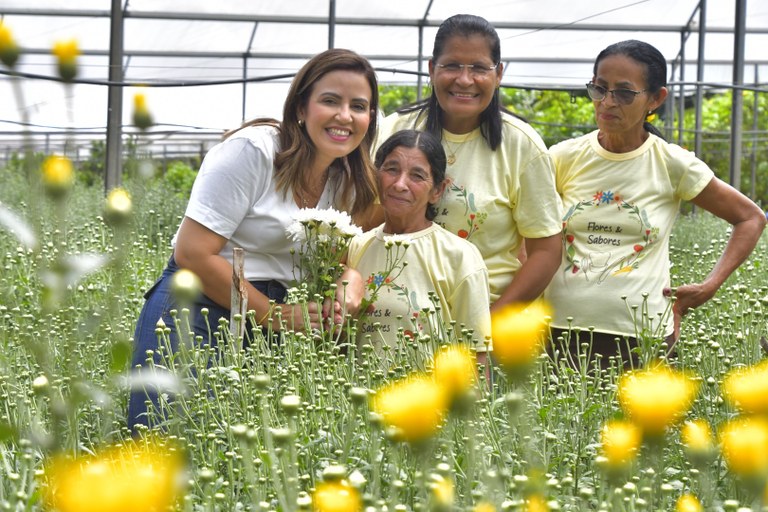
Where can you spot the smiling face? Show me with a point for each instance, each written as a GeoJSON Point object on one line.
{"type": "Point", "coordinates": [337, 115]}
{"type": "Point", "coordinates": [616, 120]}
{"type": "Point", "coordinates": [407, 188]}
{"type": "Point", "coordinates": [463, 96]}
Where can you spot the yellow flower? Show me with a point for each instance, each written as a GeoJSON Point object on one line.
{"type": "Point", "coordinates": [66, 53]}
{"type": "Point", "coordinates": [186, 286]}
{"type": "Point", "coordinates": [688, 503]}
{"type": "Point", "coordinates": [442, 494]}
{"type": "Point", "coordinates": [58, 175]}
{"type": "Point", "coordinates": [141, 115]}
{"type": "Point", "coordinates": [698, 440]}
{"type": "Point", "coordinates": [455, 369]}
{"type": "Point", "coordinates": [747, 388]}
{"type": "Point", "coordinates": [484, 506]}
{"type": "Point", "coordinates": [337, 496]}
{"type": "Point", "coordinates": [414, 407]}
{"type": "Point", "coordinates": [536, 503]}
{"type": "Point", "coordinates": [620, 441]}
{"type": "Point", "coordinates": [129, 477]}
{"type": "Point", "coordinates": [744, 443]}
{"type": "Point", "coordinates": [118, 206]}
{"type": "Point", "coordinates": [518, 334]}
{"type": "Point", "coordinates": [9, 50]}
{"type": "Point", "coordinates": [656, 397]}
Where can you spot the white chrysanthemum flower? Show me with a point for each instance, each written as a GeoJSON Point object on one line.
{"type": "Point", "coordinates": [398, 240]}
{"type": "Point", "coordinates": [296, 232]}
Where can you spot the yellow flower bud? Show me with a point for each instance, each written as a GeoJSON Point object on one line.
{"type": "Point", "coordinates": [656, 398]}
{"type": "Point", "coordinates": [688, 503]}
{"type": "Point", "coordinates": [118, 207]}
{"type": "Point", "coordinates": [698, 441]}
{"type": "Point", "coordinates": [484, 506]}
{"type": "Point", "coordinates": [519, 333]}
{"type": "Point", "coordinates": [58, 175]}
{"type": "Point", "coordinates": [442, 494]}
{"type": "Point", "coordinates": [141, 116]}
{"type": "Point", "coordinates": [9, 50]}
{"type": "Point", "coordinates": [536, 503]}
{"type": "Point", "coordinates": [66, 53]}
{"type": "Point", "coordinates": [336, 496]}
{"type": "Point", "coordinates": [414, 406]}
{"type": "Point", "coordinates": [620, 442]}
{"type": "Point", "coordinates": [455, 369]}
{"type": "Point", "coordinates": [186, 287]}
{"type": "Point", "coordinates": [744, 443]}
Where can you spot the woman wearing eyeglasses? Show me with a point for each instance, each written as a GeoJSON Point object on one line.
{"type": "Point", "coordinates": [500, 187]}
{"type": "Point", "coordinates": [621, 187]}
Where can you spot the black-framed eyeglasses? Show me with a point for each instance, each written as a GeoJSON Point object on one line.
{"type": "Point", "coordinates": [477, 70]}
{"type": "Point", "coordinates": [620, 96]}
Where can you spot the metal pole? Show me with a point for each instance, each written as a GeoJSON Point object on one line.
{"type": "Point", "coordinates": [700, 75]}
{"type": "Point", "coordinates": [755, 126]}
{"type": "Point", "coordinates": [681, 106]}
{"type": "Point", "coordinates": [114, 154]}
{"type": "Point", "coordinates": [737, 115]}
{"type": "Point", "coordinates": [419, 65]}
{"type": "Point", "coordinates": [331, 23]}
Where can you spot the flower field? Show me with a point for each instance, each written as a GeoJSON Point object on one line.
{"type": "Point", "coordinates": [306, 423]}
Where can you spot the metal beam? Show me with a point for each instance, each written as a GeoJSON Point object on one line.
{"type": "Point", "coordinates": [737, 111]}
{"type": "Point", "coordinates": [115, 101]}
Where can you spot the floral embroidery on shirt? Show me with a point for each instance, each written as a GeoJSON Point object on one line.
{"type": "Point", "coordinates": [604, 263]}
{"type": "Point", "coordinates": [473, 218]}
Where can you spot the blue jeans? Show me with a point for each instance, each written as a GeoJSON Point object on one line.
{"type": "Point", "coordinates": [158, 305]}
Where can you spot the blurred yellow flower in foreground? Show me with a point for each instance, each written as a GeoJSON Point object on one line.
{"type": "Point", "coordinates": [620, 441]}
{"type": "Point", "coordinates": [66, 53]}
{"type": "Point", "coordinates": [698, 441]}
{"type": "Point", "coordinates": [519, 332]}
{"type": "Point", "coordinates": [336, 496]}
{"type": "Point", "coordinates": [9, 50]}
{"type": "Point", "coordinates": [58, 175]}
{"type": "Point", "coordinates": [656, 397]}
{"type": "Point", "coordinates": [442, 494]}
{"type": "Point", "coordinates": [141, 115]}
{"type": "Point", "coordinates": [118, 206]}
{"type": "Point", "coordinates": [134, 476]}
{"type": "Point", "coordinates": [186, 286]}
{"type": "Point", "coordinates": [744, 443]}
{"type": "Point", "coordinates": [536, 503]}
{"type": "Point", "coordinates": [747, 388]}
{"type": "Point", "coordinates": [414, 406]}
{"type": "Point", "coordinates": [484, 506]}
{"type": "Point", "coordinates": [455, 369]}
{"type": "Point", "coordinates": [688, 503]}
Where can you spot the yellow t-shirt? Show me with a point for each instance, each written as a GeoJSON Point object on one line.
{"type": "Point", "coordinates": [494, 198]}
{"type": "Point", "coordinates": [437, 262]}
{"type": "Point", "coordinates": [619, 213]}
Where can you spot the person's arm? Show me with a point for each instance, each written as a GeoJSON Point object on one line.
{"type": "Point", "coordinates": [541, 262]}
{"type": "Point", "coordinates": [748, 222]}
{"type": "Point", "coordinates": [197, 249]}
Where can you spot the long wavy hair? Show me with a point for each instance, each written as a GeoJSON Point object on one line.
{"type": "Point", "coordinates": [355, 172]}
{"type": "Point", "coordinates": [464, 25]}
{"type": "Point", "coordinates": [650, 58]}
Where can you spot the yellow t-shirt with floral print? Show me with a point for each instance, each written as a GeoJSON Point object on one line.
{"type": "Point", "coordinates": [619, 213]}
{"type": "Point", "coordinates": [494, 198]}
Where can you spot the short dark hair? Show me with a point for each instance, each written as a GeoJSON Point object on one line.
{"type": "Point", "coordinates": [425, 142]}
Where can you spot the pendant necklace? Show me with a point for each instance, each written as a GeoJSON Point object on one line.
{"type": "Point", "coordinates": [452, 151]}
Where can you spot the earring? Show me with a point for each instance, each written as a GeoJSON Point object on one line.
{"type": "Point", "coordinates": [301, 122]}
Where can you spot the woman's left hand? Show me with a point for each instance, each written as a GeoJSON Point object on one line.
{"type": "Point", "coordinates": [348, 299]}
{"type": "Point", "coordinates": [687, 297]}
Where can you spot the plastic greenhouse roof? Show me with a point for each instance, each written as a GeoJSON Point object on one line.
{"type": "Point", "coordinates": [174, 46]}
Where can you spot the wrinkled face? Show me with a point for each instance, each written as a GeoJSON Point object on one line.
{"type": "Point", "coordinates": [464, 93]}
{"type": "Point", "coordinates": [622, 72]}
{"type": "Point", "coordinates": [337, 114]}
{"type": "Point", "coordinates": [406, 184]}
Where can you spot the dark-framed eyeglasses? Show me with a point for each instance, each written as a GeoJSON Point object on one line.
{"type": "Point", "coordinates": [476, 70]}
{"type": "Point", "coordinates": [621, 96]}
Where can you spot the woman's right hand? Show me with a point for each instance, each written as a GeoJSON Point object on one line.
{"type": "Point", "coordinates": [295, 318]}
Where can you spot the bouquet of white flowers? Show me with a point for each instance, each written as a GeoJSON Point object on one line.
{"type": "Point", "coordinates": [324, 236]}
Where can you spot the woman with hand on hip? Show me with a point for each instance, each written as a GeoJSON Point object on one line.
{"type": "Point", "coordinates": [249, 187]}
{"type": "Point", "coordinates": [621, 187]}
{"type": "Point", "coordinates": [500, 191]}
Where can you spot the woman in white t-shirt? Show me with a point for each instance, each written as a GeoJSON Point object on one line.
{"type": "Point", "coordinates": [248, 188]}
{"type": "Point", "coordinates": [621, 187]}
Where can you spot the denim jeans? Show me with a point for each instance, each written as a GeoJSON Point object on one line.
{"type": "Point", "coordinates": [158, 305]}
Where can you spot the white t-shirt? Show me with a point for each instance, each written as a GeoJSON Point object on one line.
{"type": "Point", "coordinates": [494, 198]}
{"type": "Point", "coordinates": [234, 196]}
{"type": "Point", "coordinates": [619, 213]}
{"type": "Point", "coordinates": [437, 261]}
